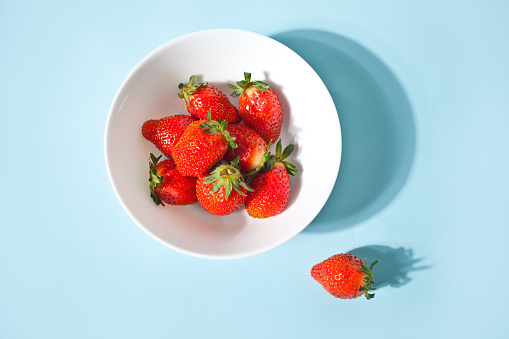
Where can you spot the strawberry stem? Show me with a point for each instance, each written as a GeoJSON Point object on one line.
{"type": "Point", "coordinates": [218, 126]}
{"type": "Point", "coordinates": [189, 89]}
{"type": "Point", "coordinates": [280, 155]}
{"type": "Point", "coordinates": [242, 85]}
{"type": "Point", "coordinates": [368, 279]}
{"type": "Point", "coordinates": [154, 179]}
{"type": "Point", "coordinates": [229, 176]}
{"type": "Point", "coordinates": [269, 160]}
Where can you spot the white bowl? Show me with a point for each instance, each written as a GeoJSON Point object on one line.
{"type": "Point", "coordinates": [220, 56]}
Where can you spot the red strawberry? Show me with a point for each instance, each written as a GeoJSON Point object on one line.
{"type": "Point", "coordinates": [164, 133]}
{"type": "Point", "coordinates": [259, 107]}
{"type": "Point", "coordinates": [199, 98]}
{"type": "Point", "coordinates": [251, 148]}
{"type": "Point", "coordinates": [201, 146]}
{"type": "Point", "coordinates": [167, 185]}
{"type": "Point", "coordinates": [271, 189]}
{"type": "Point", "coordinates": [223, 190]}
{"type": "Point", "coordinates": [345, 276]}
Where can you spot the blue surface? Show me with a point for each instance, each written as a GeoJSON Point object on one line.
{"type": "Point", "coordinates": [422, 95]}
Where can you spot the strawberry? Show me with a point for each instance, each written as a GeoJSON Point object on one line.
{"type": "Point", "coordinates": [199, 98]}
{"type": "Point", "coordinates": [201, 146]}
{"type": "Point", "coordinates": [259, 107]}
{"type": "Point", "coordinates": [271, 188]}
{"type": "Point", "coordinates": [167, 185]}
{"type": "Point", "coordinates": [251, 148]}
{"type": "Point", "coordinates": [345, 276]}
{"type": "Point", "coordinates": [164, 133]}
{"type": "Point", "coordinates": [223, 190]}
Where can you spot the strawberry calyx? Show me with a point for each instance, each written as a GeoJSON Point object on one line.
{"type": "Point", "coordinates": [155, 179]}
{"type": "Point", "coordinates": [367, 282]}
{"type": "Point", "coordinates": [229, 176]}
{"type": "Point", "coordinates": [279, 157]}
{"type": "Point", "coordinates": [242, 85]}
{"type": "Point", "coordinates": [218, 126]}
{"type": "Point", "coordinates": [189, 89]}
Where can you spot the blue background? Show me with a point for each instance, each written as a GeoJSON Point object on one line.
{"type": "Point", "coordinates": [422, 93]}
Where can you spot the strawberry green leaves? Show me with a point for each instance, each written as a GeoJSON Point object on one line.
{"type": "Point", "coordinates": [189, 89]}
{"type": "Point", "coordinates": [262, 86]}
{"type": "Point", "coordinates": [280, 156]}
{"type": "Point", "coordinates": [218, 126]}
{"type": "Point", "coordinates": [229, 176]}
{"type": "Point", "coordinates": [154, 179]}
{"type": "Point", "coordinates": [269, 160]}
{"type": "Point", "coordinates": [368, 279]}
{"type": "Point", "coordinates": [238, 90]}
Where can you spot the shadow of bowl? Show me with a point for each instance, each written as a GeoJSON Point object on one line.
{"type": "Point", "coordinates": [377, 126]}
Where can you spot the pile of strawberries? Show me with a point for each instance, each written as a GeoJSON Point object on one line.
{"type": "Point", "coordinates": [219, 154]}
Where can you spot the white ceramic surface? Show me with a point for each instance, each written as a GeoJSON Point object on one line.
{"type": "Point", "coordinates": [150, 91]}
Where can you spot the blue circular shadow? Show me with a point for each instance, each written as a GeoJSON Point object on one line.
{"type": "Point", "coordinates": [377, 126]}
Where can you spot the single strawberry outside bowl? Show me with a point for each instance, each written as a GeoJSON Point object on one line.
{"type": "Point", "coordinates": [150, 92]}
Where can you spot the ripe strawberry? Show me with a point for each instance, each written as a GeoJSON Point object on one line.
{"type": "Point", "coordinates": [201, 146]}
{"type": "Point", "coordinates": [259, 107]}
{"type": "Point", "coordinates": [345, 276]}
{"type": "Point", "coordinates": [167, 185]}
{"type": "Point", "coordinates": [272, 187]}
{"type": "Point", "coordinates": [199, 98]}
{"type": "Point", "coordinates": [164, 133]}
{"type": "Point", "coordinates": [251, 148]}
{"type": "Point", "coordinates": [223, 190]}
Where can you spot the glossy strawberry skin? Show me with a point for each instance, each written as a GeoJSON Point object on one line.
{"type": "Point", "coordinates": [262, 111]}
{"type": "Point", "coordinates": [340, 275]}
{"type": "Point", "coordinates": [271, 193]}
{"type": "Point", "coordinates": [175, 189]}
{"type": "Point", "coordinates": [196, 151]}
{"type": "Point", "coordinates": [216, 203]}
{"type": "Point", "coordinates": [209, 97]}
{"type": "Point", "coordinates": [164, 133]}
{"type": "Point", "coordinates": [250, 150]}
